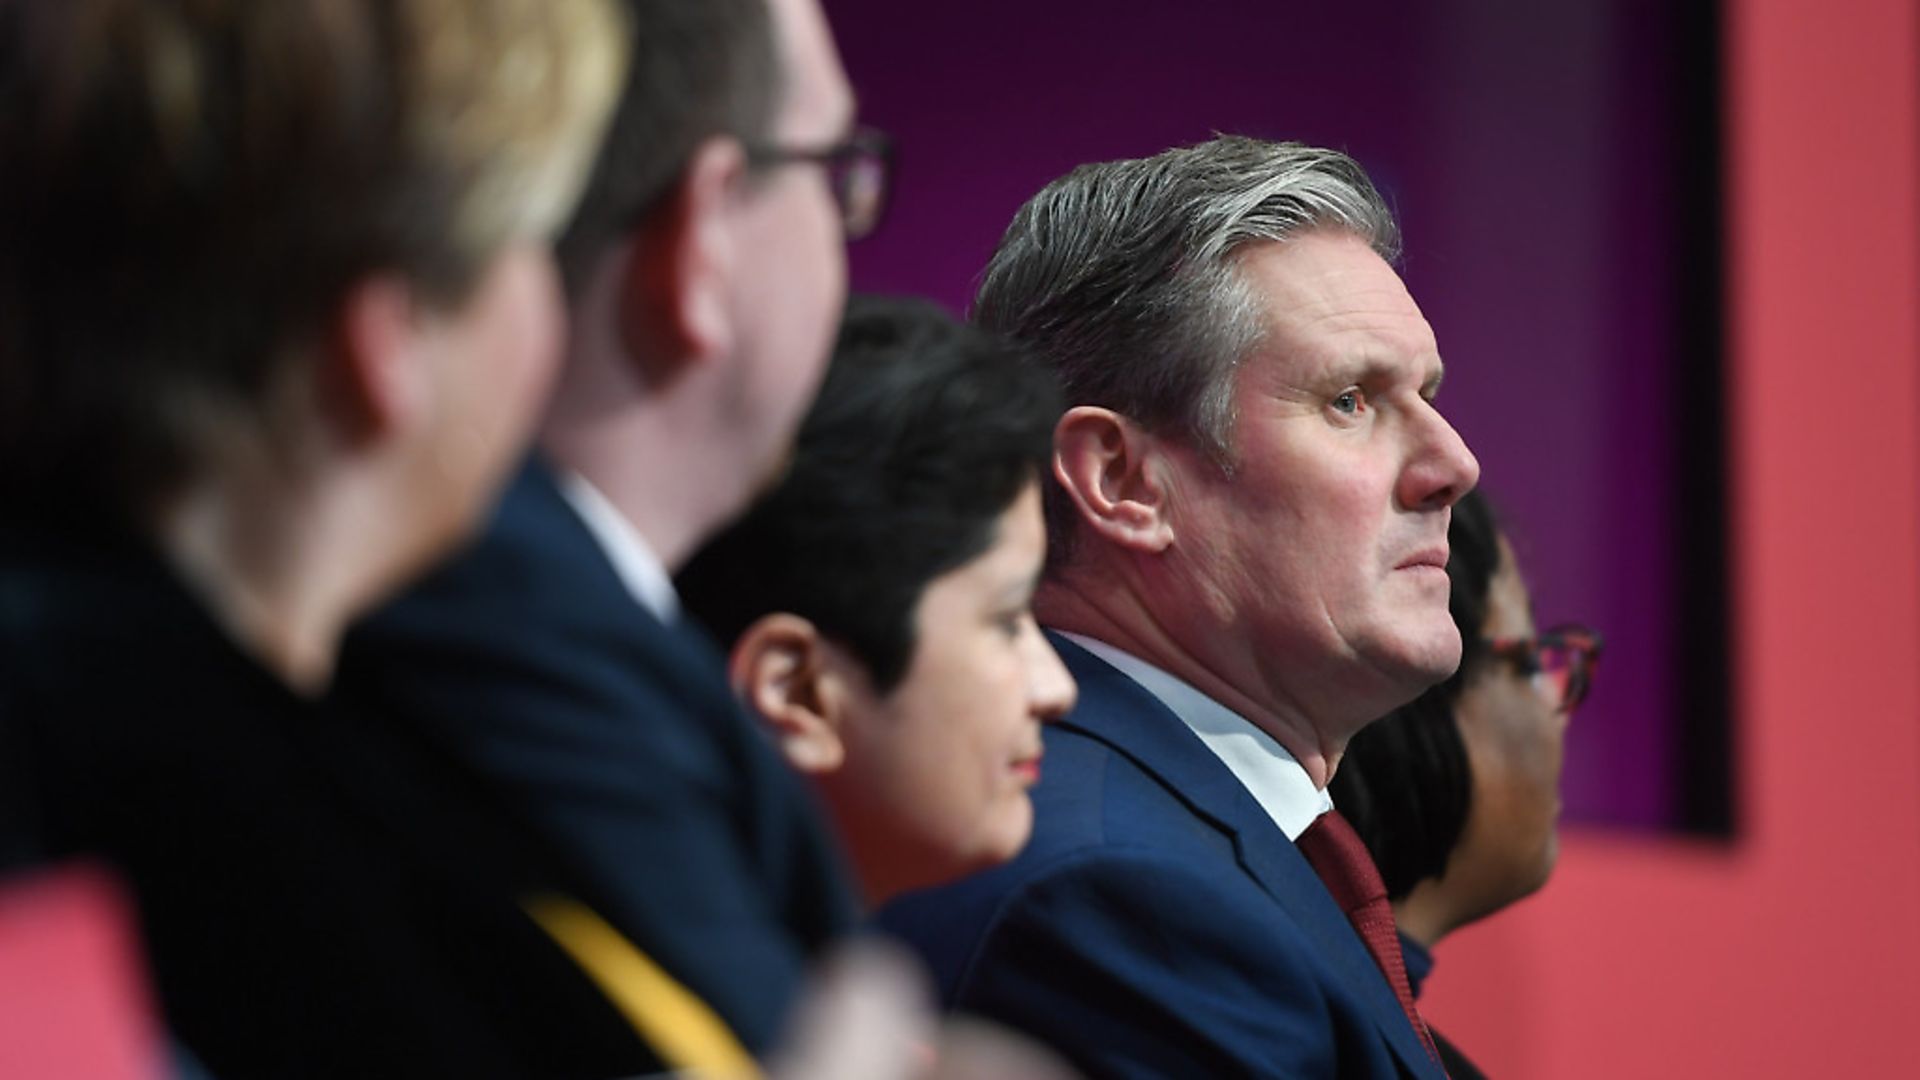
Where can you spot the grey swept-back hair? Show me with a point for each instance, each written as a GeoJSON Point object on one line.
{"type": "Point", "coordinates": [1121, 276]}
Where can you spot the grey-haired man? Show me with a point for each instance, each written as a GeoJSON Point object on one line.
{"type": "Point", "coordinates": [1249, 515]}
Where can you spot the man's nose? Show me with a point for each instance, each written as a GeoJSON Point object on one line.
{"type": "Point", "coordinates": [1440, 468]}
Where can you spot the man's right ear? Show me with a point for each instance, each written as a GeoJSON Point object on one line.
{"type": "Point", "coordinates": [1112, 470]}
{"type": "Point", "coordinates": [782, 669]}
{"type": "Point", "coordinates": [675, 297]}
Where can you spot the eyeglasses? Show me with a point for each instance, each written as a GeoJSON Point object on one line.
{"type": "Point", "coordinates": [1564, 655]}
{"type": "Point", "coordinates": [859, 172]}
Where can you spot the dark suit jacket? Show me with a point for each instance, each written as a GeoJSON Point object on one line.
{"type": "Point", "coordinates": [619, 739]}
{"type": "Point", "coordinates": [1419, 966]}
{"type": "Point", "coordinates": [1159, 924]}
{"type": "Point", "coordinates": [317, 897]}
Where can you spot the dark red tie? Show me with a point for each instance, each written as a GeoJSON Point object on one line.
{"type": "Point", "coordinates": [1337, 855]}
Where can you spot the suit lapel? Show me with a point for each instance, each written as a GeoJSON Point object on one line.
{"type": "Point", "coordinates": [680, 663]}
{"type": "Point", "coordinates": [1119, 712]}
{"type": "Point", "coordinates": [679, 654]}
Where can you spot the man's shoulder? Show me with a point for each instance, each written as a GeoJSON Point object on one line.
{"type": "Point", "coordinates": [1145, 862]}
{"type": "Point", "coordinates": [534, 591]}
{"type": "Point", "coordinates": [1082, 943]}
{"type": "Point", "coordinates": [1107, 795]}
{"type": "Point", "coordinates": [1130, 896]}
{"type": "Point", "coordinates": [529, 662]}
{"type": "Point", "coordinates": [533, 560]}
{"type": "Point", "coordinates": [1097, 796]}
{"type": "Point", "coordinates": [529, 642]}
{"type": "Point", "coordinates": [1102, 822]}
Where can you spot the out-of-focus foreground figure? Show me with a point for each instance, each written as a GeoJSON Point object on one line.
{"type": "Point", "coordinates": [1457, 794]}
{"type": "Point", "coordinates": [276, 314]}
{"type": "Point", "coordinates": [705, 272]}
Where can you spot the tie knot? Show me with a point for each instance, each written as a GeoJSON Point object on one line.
{"type": "Point", "coordinates": [1337, 854]}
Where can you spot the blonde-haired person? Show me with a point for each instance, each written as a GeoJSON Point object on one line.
{"type": "Point", "coordinates": [276, 313]}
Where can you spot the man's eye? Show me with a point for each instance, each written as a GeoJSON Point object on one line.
{"type": "Point", "coordinates": [1349, 403]}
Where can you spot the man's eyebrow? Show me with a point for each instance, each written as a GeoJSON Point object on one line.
{"type": "Point", "coordinates": [1364, 370]}
{"type": "Point", "coordinates": [1359, 371]}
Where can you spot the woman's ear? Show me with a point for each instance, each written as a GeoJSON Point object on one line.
{"type": "Point", "coordinates": [374, 378]}
{"type": "Point", "coordinates": [782, 668]}
{"type": "Point", "coordinates": [1106, 464]}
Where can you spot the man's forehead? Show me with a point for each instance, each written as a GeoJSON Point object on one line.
{"type": "Point", "coordinates": [1322, 273]}
{"type": "Point", "coordinates": [1328, 300]}
{"type": "Point", "coordinates": [816, 99]}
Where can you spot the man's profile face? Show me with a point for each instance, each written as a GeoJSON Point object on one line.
{"type": "Point", "coordinates": [792, 283]}
{"type": "Point", "coordinates": [1324, 549]}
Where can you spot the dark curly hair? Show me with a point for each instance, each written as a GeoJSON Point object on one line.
{"type": "Point", "coordinates": [925, 431]}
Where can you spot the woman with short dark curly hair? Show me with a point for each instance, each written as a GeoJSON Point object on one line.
{"type": "Point", "coordinates": [1457, 794]}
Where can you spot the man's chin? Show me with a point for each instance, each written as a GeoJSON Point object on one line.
{"type": "Point", "coordinates": [1420, 664]}
{"type": "Point", "coordinates": [1436, 657]}
{"type": "Point", "coordinates": [773, 474]}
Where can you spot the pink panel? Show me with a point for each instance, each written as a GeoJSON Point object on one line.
{"type": "Point", "coordinates": [73, 1001]}
{"type": "Point", "coordinates": [1795, 952]}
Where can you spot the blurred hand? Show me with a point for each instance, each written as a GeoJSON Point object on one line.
{"type": "Point", "coordinates": [870, 1016]}
{"type": "Point", "coordinates": [867, 1016]}
{"type": "Point", "coordinates": [977, 1050]}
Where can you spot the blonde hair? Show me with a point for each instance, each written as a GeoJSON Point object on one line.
{"type": "Point", "coordinates": [189, 187]}
{"type": "Point", "coordinates": [552, 69]}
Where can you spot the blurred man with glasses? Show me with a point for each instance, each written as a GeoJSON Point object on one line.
{"type": "Point", "coordinates": [706, 273]}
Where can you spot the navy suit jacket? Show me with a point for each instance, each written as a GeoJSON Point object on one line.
{"type": "Point", "coordinates": [1159, 924]}
{"type": "Point", "coordinates": [619, 738]}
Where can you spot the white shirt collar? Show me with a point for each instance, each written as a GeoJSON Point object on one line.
{"type": "Point", "coordinates": [1271, 775]}
{"type": "Point", "coordinates": [644, 575]}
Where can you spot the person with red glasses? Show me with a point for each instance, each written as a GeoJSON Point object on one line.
{"type": "Point", "coordinates": [1457, 794]}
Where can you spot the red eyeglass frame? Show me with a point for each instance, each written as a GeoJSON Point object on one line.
{"type": "Point", "coordinates": [1570, 648]}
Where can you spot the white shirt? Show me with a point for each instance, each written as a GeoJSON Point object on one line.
{"type": "Point", "coordinates": [1271, 775]}
{"type": "Point", "coordinates": [644, 575]}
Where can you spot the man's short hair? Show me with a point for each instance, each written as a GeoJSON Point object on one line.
{"type": "Point", "coordinates": [1122, 276]}
{"type": "Point", "coordinates": [925, 432]}
{"type": "Point", "coordinates": [188, 188]}
{"type": "Point", "coordinates": [700, 68]}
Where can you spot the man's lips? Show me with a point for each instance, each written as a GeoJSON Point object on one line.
{"type": "Point", "coordinates": [1434, 557]}
{"type": "Point", "coordinates": [1028, 767]}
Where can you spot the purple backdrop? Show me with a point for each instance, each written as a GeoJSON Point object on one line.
{"type": "Point", "coordinates": [1527, 150]}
